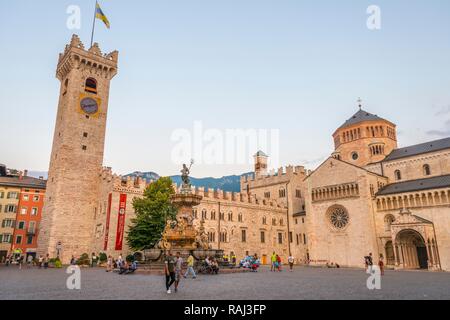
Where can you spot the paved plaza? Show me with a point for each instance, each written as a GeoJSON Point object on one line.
{"type": "Point", "coordinates": [303, 283]}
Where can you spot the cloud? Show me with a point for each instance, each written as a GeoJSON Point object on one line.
{"type": "Point", "coordinates": [443, 111]}
{"type": "Point", "coordinates": [312, 162]}
{"type": "Point", "coordinates": [441, 133]}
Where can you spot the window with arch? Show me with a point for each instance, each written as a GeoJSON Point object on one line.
{"type": "Point", "coordinates": [213, 215]}
{"type": "Point", "coordinates": [426, 170]}
{"type": "Point", "coordinates": [240, 217]}
{"type": "Point", "coordinates": [204, 213]}
{"type": "Point", "coordinates": [195, 213]}
{"type": "Point", "coordinates": [281, 222]}
{"type": "Point", "coordinates": [282, 193]}
{"type": "Point", "coordinates": [211, 236]}
{"type": "Point", "coordinates": [91, 85]}
{"type": "Point", "coordinates": [230, 216]}
{"type": "Point", "coordinates": [398, 175]}
{"type": "Point", "coordinates": [223, 236]}
{"type": "Point", "coordinates": [264, 220]}
{"type": "Point", "coordinates": [388, 220]}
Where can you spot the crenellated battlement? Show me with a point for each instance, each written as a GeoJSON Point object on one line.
{"type": "Point", "coordinates": [93, 60]}
{"type": "Point", "coordinates": [282, 174]}
{"type": "Point", "coordinates": [231, 198]}
{"type": "Point", "coordinates": [138, 185]}
{"type": "Point", "coordinates": [124, 184]}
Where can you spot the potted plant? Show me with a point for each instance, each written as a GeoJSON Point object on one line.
{"type": "Point", "coordinates": [103, 258]}
{"type": "Point", "coordinates": [83, 261]}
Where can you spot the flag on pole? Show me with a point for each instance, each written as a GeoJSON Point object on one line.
{"type": "Point", "coordinates": [101, 16]}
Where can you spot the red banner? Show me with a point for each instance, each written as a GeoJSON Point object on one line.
{"type": "Point", "coordinates": [121, 221]}
{"type": "Point", "coordinates": [108, 217]}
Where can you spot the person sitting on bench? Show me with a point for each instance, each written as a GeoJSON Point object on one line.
{"type": "Point", "coordinates": [123, 267]}
{"type": "Point", "coordinates": [132, 268]}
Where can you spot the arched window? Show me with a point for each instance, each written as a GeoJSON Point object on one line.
{"type": "Point", "coordinates": [213, 215]}
{"type": "Point", "coordinates": [388, 220]}
{"type": "Point", "coordinates": [195, 213]}
{"type": "Point", "coordinates": [204, 213]}
{"type": "Point", "coordinates": [264, 220]}
{"type": "Point", "coordinates": [398, 175]}
{"type": "Point", "coordinates": [223, 236]}
{"type": "Point", "coordinates": [230, 216]}
{"type": "Point", "coordinates": [91, 85]}
{"type": "Point", "coordinates": [426, 170]}
{"type": "Point", "coordinates": [240, 217]}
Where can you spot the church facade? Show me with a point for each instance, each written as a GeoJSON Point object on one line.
{"type": "Point", "coordinates": [368, 196]}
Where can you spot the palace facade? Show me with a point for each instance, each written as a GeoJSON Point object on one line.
{"type": "Point", "coordinates": [368, 196]}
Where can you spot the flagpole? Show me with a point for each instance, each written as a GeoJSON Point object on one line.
{"type": "Point", "coordinates": [93, 24]}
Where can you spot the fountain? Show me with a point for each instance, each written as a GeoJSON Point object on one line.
{"type": "Point", "coordinates": [181, 235]}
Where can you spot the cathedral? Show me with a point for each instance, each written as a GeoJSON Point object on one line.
{"type": "Point", "coordinates": [369, 196]}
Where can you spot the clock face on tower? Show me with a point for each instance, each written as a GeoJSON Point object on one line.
{"type": "Point", "coordinates": [89, 105]}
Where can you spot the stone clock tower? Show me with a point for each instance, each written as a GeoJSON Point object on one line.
{"type": "Point", "coordinates": [67, 224]}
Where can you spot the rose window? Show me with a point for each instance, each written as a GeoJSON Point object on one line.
{"type": "Point", "coordinates": [339, 218]}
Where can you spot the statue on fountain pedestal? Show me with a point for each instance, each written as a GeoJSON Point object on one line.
{"type": "Point", "coordinates": [186, 182]}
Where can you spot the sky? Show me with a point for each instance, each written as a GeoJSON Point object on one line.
{"type": "Point", "coordinates": [288, 65]}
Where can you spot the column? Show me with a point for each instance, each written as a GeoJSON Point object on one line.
{"type": "Point", "coordinates": [435, 260]}
{"type": "Point", "coordinates": [430, 256]}
{"type": "Point", "coordinates": [395, 248]}
{"type": "Point", "coordinates": [402, 256]}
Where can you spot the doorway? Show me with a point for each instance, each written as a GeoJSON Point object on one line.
{"type": "Point", "coordinates": [412, 249]}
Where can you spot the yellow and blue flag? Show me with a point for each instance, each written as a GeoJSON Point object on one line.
{"type": "Point", "coordinates": [100, 15]}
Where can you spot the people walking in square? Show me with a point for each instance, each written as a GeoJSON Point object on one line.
{"type": "Point", "coordinates": [233, 258]}
{"type": "Point", "coordinates": [190, 267]}
{"type": "Point", "coordinates": [109, 264]}
{"type": "Point", "coordinates": [178, 270]}
{"type": "Point", "coordinates": [291, 262]}
{"type": "Point", "coordinates": [273, 259]}
{"type": "Point", "coordinates": [381, 264]}
{"type": "Point", "coordinates": [46, 261]}
{"type": "Point", "coordinates": [368, 262]}
{"type": "Point", "coordinates": [278, 263]}
{"type": "Point", "coordinates": [30, 261]}
{"type": "Point", "coordinates": [20, 261]}
{"type": "Point", "coordinates": [169, 270]}
{"type": "Point", "coordinates": [94, 260]}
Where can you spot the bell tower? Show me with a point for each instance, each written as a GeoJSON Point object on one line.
{"type": "Point", "coordinates": [260, 163]}
{"type": "Point", "coordinates": [76, 160]}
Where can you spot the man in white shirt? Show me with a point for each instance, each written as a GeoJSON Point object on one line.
{"type": "Point", "coordinates": [291, 262]}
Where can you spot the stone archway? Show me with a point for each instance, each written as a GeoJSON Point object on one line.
{"type": "Point", "coordinates": [411, 249]}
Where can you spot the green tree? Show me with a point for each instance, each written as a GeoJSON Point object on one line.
{"type": "Point", "coordinates": [152, 212]}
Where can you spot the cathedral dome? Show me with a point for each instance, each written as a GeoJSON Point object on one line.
{"type": "Point", "coordinates": [364, 138]}
{"type": "Point", "coordinates": [361, 116]}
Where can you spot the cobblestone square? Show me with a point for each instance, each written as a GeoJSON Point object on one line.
{"type": "Point", "coordinates": [302, 283]}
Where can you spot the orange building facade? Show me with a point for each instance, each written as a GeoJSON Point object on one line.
{"type": "Point", "coordinates": [24, 220]}
{"type": "Point", "coordinates": [28, 217]}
